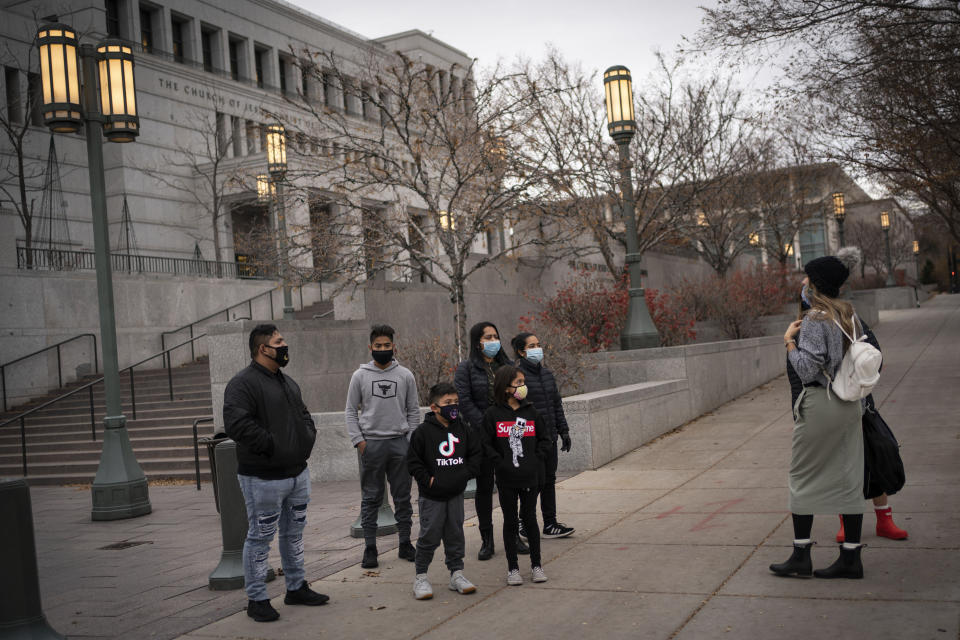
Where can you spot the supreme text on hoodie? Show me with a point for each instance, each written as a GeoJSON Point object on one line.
{"type": "Point", "coordinates": [517, 442]}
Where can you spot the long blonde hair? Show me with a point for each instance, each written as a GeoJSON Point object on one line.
{"type": "Point", "coordinates": [835, 309]}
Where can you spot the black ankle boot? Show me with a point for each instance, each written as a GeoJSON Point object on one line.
{"type": "Point", "coordinates": [369, 557]}
{"type": "Point", "coordinates": [848, 565]}
{"type": "Point", "coordinates": [798, 564]}
{"type": "Point", "coordinates": [486, 545]}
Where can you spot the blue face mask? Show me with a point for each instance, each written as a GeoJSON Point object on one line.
{"type": "Point", "coordinates": [803, 296]}
{"type": "Point", "coordinates": [535, 355]}
{"type": "Point", "coordinates": [491, 349]}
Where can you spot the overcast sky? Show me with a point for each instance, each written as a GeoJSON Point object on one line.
{"type": "Point", "coordinates": [598, 34]}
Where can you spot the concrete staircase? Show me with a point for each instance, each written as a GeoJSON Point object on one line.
{"type": "Point", "coordinates": [59, 445]}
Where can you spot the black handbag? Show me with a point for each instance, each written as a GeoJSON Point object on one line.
{"type": "Point", "coordinates": [882, 467]}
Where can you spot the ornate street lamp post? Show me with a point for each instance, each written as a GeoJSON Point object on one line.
{"type": "Point", "coordinates": [916, 258]}
{"type": "Point", "coordinates": [108, 109]}
{"type": "Point", "coordinates": [277, 166]}
{"type": "Point", "coordinates": [639, 332]}
{"type": "Point", "coordinates": [885, 225]}
{"type": "Point", "coordinates": [839, 213]}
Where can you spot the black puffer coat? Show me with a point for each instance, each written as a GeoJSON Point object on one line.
{"type": "Point", "coordinates": [473, 389]}
{"type": "Point", "coordinates": [543, 393]}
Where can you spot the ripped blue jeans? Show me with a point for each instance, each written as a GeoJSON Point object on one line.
{"type": "Point", "coordinates": [274, 505]}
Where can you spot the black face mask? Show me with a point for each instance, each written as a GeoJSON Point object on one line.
{"type": "Point", "coordinates": [450, 412]}
{"type": "Point", "coordinates": [382, 357]}
{"type": "Point", "coordinates": [282, 355]}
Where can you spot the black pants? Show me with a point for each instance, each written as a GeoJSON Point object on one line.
{"type": "Point", "coordinates": [483, 500]}
{"type": "Point", "coordinates": [548, 491]}
{"type": "Point", "coordinates": [527, 498]}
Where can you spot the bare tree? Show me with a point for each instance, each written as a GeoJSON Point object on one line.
{"type": "Point", "coordinates": [202, 170]}
{"type": "Point", "coordinates": [879, 80]}
{"type": "Point", "coordinates": [20, 174]}
{"type": "Point", "coordinates": [787, 188]}
{"type": "Point", "coordinates": [427, 174]}
{"type": "Point", "coordinates": [679, 124]}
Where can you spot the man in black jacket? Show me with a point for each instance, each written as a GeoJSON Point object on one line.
{"type": "Point", "coordinates": [264, 413]}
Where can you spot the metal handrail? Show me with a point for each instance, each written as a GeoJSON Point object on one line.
{"type": "Point", "coordinates": [226, 311]}
{"type": "Point", "coordinates": [3, 367]}
{"type": "Point", "coordinates": [89, 388]}
{"type": "Point", "coordinates": [50, 259]}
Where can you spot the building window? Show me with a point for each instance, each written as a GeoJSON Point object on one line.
{"type": "Point", "coordinates": [350, 101]}
{"type": "Point", "coordinates": [11, 82]}
{"type": "Point", "coordinates": [330, 90]}
{"type": "Point", "coordinates": [206, 44]}
{"type": "Point", "coordinates": [284, 69]}
{"type": "Point", "coordinates": [259, 56]}
{"type": "Point", "coordinates": [235, 55]}
{"type": "Point", "coordinates": [323, 241]}
{"type": "Point", "coordinates": [237, 136]}
{"type": "Point", "coordinates": [35, 92]}
{"type": "Point", "coordinates": [305, 68]}
{"type": "Point", "coordinates": [221, 134]}
{"type": "Point", "coordinates": [112, 10]}
{"type": "Point", "coordinates": [178, 29]}
{"type": "Point", "coordinates": [253, 132]}
{"type": "Point", "coordinates": [366, 96]}
{"type": "Point", "coordinates": [146, 30]}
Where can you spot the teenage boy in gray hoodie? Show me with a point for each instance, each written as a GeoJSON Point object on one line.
{"type": "Point", "coordinates": [382, 411]}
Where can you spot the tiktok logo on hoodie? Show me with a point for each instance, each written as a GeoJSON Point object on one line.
{"type": "Point", "coordinates": [447, 449]}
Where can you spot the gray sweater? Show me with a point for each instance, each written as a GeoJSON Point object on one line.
{"type": "Point", "coordinates": [819, 349]}
{"type": "Point", "coordinates": [381, 404]}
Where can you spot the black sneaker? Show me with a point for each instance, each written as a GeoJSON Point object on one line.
{"type": "Point", "coordinates": [262, 611]}
{"type": "Point", "coordinates": [407, 552]}
{"type": "Point", "coordinates": [369, 557]}
{"type": "Point", "coordinates": [522, 547]}
{"type": "Point", "coordinates": [557, 530]}
{"type": "Point", "coordinates": [305, 595]}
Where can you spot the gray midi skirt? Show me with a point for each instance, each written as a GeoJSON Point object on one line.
{"type": "Point", "coordinates": [826, 463]}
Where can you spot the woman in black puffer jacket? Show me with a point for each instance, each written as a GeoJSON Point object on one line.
{"type": "Point", "coordinates": [545, 397]}
{"type": "Point", "coordinates": [474, 382]}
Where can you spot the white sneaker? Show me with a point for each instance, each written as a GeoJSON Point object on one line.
{"type": "Point", "coordinates": [514, 578]}
{"type": "Point", "coordinates": [421, 587]}
{"type": "Point", "coordinates": [460, 584]}
{"type": "Point", "coordinates": [539, 575]}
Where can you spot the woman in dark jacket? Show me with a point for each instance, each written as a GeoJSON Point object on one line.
{"type": "Point", "coordinates": [516, 442]}
{"type": "Point", "coordinates": [543, 393]}
{"type": "Point", "coordinates": [474, 382]}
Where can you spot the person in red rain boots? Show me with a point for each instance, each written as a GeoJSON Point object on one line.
{"type": "Point", "coordinates": [885, 525]}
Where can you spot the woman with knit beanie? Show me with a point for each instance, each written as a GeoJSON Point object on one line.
{"type": "Point", "coordinates": [826, 465]}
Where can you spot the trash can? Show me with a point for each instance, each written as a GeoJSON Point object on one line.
{"type": "Point", "coordinates": [211, 444]}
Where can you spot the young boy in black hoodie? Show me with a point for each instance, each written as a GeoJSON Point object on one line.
{"type": "Point", "coordinates": [443, 456]}
{"type": "Point", "coordinates": [516, 439]}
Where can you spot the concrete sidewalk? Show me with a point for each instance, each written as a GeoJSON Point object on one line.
{"type": "Point", "coordinates": [672, 541]}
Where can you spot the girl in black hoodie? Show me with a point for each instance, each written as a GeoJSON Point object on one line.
{"type": "Point", "coordinates": [516, 442]}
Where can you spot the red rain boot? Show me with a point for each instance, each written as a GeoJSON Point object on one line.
{"type": "Point", "coordinates": [840, 533]}
{"type": "Point", "coordinates": [885, 526]}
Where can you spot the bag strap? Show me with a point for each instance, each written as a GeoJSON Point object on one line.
{"type": "Point", "coordinates": [853, 322]}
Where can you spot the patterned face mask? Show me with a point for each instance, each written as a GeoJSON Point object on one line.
{"type": "Point", "coordinates": [520, 392]}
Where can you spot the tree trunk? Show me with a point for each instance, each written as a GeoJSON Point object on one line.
{"type": "Point", "coordinates": [460, 318]}
{"type": "Point", "coordinates": [26, 212]}
{"type": "Point", "coordinates": [216, 240]}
